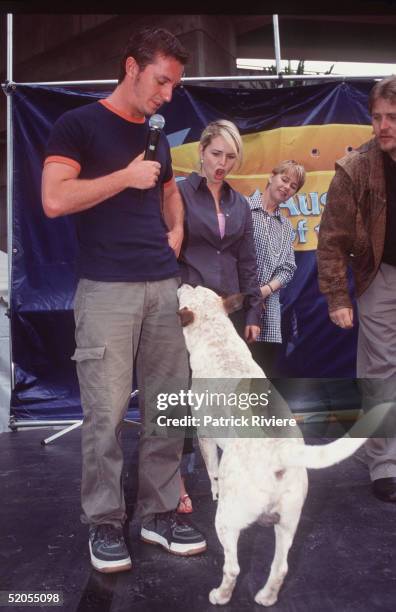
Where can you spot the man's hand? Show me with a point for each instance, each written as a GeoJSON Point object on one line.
{"type": "Point", "coordinates": [64, 192]}
{"type": "Point", "coordinates": [343, 317]}
{"type": "Point", "coordinates": [251, 333]}
{"type": "Point", "coordinates": [175, 239]}
{"type": "Point", "coordinates": [142, 173]}
{"type": "Point", "coordinates": [173, 215]}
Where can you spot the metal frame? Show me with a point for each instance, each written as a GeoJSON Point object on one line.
{"type": "Point", "coordinates": [9, 86]}
{"type": "Point", "coordinates": [10, 169]}
{"type": "Point", "coordinates": [280, 78]}
{"type": "Point", "coordinates": [275, 26]}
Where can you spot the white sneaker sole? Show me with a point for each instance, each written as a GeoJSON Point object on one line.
{"type": "Point", "coordinates": [107, 567]}
{"type": "Point", "coordinates": [151, 537]}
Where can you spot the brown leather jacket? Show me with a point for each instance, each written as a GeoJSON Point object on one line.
{"type": "Point", "coordinates": [352, 229]}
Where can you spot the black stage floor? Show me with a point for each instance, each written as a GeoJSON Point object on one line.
{"type": "Point", "coordinates": [343, 558]}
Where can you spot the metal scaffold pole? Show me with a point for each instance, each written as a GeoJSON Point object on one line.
{"type": "Point", "coordinates": [275, 25]}
{"type": "Point", "coordinates": [219, 79]}
{"type": "Point", "coordinates": [8, 89]}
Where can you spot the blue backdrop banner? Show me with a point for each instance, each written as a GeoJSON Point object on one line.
{"type": "Point", "coordinates": [314, 124]}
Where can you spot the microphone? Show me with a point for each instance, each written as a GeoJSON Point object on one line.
{"type": "Point", "coordinates": [156, 124]}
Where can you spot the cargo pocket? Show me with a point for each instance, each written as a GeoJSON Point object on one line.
{"type": "Point", "coordinates": [90, 366]}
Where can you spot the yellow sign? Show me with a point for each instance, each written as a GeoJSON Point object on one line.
{"type": "Point", "coordinates": [316, 147]}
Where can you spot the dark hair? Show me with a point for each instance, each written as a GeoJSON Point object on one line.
{"type": "Point", "coordinates": [146, 43]}
{"type": "Point", "coordinates": [385, 89]}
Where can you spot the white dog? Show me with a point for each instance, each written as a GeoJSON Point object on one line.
{"type": "Point", "coordinates": [259, 479]}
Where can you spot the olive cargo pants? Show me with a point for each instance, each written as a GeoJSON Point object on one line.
{"type": "Point", "coordinates": [118, 326]}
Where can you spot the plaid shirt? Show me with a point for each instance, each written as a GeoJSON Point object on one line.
{"type": "Point", "coordinates": [273, 237]}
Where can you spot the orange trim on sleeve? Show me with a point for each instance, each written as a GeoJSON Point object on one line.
{"type": "Point", "coordinates": [126, 116]}
{"type": "Point", "coordinates": [62, 160]}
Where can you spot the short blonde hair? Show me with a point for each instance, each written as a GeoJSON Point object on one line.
{"type": "Point", "coordinates": [293, 167]}
{"type": "Point", "coordinates": [228, 131]}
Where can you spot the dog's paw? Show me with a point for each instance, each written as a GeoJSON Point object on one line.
{"type": "Point", "coordinates": [216, 597]}
{"type": "Point", "coordinates": [265, 598]}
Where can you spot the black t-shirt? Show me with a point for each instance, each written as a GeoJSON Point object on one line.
{"type": "Point", "coordinates": [389, 254]}
{"type": "Point", "coordinates": [124, 237]}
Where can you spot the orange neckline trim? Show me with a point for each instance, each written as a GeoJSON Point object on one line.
{"type": "Point", "coordinates": [113, 109]}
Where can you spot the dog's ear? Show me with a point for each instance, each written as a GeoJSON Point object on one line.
{"type": "Point", "coordinates": [186, 316]}
{"type": "Point", "coordinates": [233, 302]}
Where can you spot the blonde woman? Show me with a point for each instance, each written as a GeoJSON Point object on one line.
{"type": "Point", "coordinates": [273, 237]}
{"type": "Point", "coordinates": [218, 248]}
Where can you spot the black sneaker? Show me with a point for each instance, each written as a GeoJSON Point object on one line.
{"type": "Point", "coordinates": [108, 549]}
{"type": "Point", "coordinates": [173, 533]}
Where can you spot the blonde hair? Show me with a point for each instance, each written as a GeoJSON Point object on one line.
{"type": "Point", "coordinates": [293, 167]}
{"type": "Point", "coordinates": [228, 131]}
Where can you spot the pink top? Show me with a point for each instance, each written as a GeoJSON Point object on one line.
{"type": "Point", "coordinates": [221, 220]}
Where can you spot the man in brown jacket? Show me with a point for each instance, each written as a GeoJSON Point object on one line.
{"type": "Point", "coordinates": [358, 228]}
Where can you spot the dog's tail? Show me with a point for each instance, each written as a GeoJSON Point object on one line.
{"type": "Point", "coordinates": [325, 455]}
{"type": "Point", "coordinates": [321, 455]}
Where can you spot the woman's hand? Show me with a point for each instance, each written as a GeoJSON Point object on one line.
{"type": "Point", "coordinates": [265, 291]}
{"type": "Point", "coordinates": [251, 333]}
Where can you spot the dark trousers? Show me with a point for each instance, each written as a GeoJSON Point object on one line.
{"type": "Point", "coordinates": [265, 355]}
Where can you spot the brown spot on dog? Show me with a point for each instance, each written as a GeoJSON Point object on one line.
{"type": "Point", "coordinates": [186, 316]}
{"type": "Point", "coordinates": [267, 519]}
{"type": "Point", "coordinates": [279, 474]}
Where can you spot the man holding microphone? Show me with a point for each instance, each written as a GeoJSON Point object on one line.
{"type": "Point", "coordinates": [126, 302]}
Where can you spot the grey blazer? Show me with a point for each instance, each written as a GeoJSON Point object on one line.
{"type": "Point", "coordinates": [226, 265]}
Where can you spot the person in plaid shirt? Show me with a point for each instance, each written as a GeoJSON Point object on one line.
{"type": "Point", "coordinates": [273, 236]}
